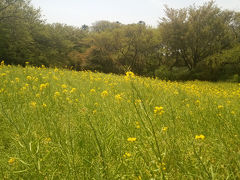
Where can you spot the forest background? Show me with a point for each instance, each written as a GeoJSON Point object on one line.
{"type": "Point", "coordinates": [196, 42]}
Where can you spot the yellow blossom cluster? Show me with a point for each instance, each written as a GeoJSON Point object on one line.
{"type": "Point", "coordinates": [127, 154]}
{"type": "Point", "coordinates": [129, 75]}
{"type": "Point", "coordinates": [200, 137]}
{"type": "Point", "coordinates": [73, 90]}
{"type": "Point", "coordinates": [118, 97]}
{"type": "Point", "coordinates": [137, 125]}
{"type": "Point", "coordinates": [131, 139]}
{"type": "Point", "coordinates": [104, 94]}
{"type": "Point", "coordinates": [56, 94]}
{"type": "Point", "coordinates": [158, 110]}
{"type": "Point", "coordinates": [92, 90]}
{"type": "Point", "coordinates": [43, 86]}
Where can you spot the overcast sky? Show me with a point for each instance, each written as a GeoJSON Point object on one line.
{"type": "Point", "coordinates": [79, 12]}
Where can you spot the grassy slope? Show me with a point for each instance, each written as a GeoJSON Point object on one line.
{"type": "Point", "coordinates": [49, 129]}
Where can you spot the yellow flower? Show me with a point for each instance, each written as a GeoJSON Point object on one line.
{"type": "Point", "coordinates": [131, 139]}
{"type": "Point", "coordinates": [130, 74]}
{"type": "Point", "coordinates": [69, 100]}
{"type": "Point", "coordinates": [127, 154]}
{"type": "Point", "coordinates": [2, 63]}
{"type": "Point", "coordinates": [27, 63]}
{"type": "Point", "coordinates": [138, 101]}
{"type": "Point", "coordinates": [164, 129]}
{"type": "Point", "coordinates": [37, 95]}
{"type": "Point", "coordinates": [200, 137]}
{"type": "Point", "coordinates": [43, 86]}
{"type": "Point", "coordinates": [158, 110]}
{"type": "Point", "coordinates": [64, 86]}
{"type": "Point", "coordinates": [57, 94]}
{"type": "Point", "coordinates": [65, 91]}
{"type": "Point", "coordinates": [118, 97]}
{"type": "Point", "coordinates": [137, 125]}
{"type": "Point", "coordinates": [92, 90]}
{"type": "Point", "coordinates": [73, 90]}
{"type": "Point", "coordinates": [161, 166]}
{"type": "Point", "coordinates": [29, 78]}
{"type": "Point", "coordinates": [11, 160]}
{"type": "Point", "coordinates": [33, 104]}
{"type": "Point", "coordinates": [44, 105]}
{"type": "Point", "coordinates": [104, 93]}
{"type": "Point", "coordinates": [220, 106]}
{"type": "Point", "coordinates": [17, 79]}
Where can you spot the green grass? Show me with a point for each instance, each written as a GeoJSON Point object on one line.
{"type": "Point", "coordinates": [49, 130]}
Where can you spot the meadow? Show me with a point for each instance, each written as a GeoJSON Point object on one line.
{"type": "Point", "coordinates": [64, 124]}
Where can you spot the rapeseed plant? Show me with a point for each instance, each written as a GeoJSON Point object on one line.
{"type": "Point", "coordinates": [62, 137]}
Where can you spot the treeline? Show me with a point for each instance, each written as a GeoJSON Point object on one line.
{"type": "Point", "coordinates": [200, 42]}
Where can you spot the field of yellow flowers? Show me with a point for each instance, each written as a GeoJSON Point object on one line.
{"type": "Point", "coordinates": [63, 124]}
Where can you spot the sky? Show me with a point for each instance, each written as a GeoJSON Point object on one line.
{"type": "Point", "coordinates": [79, 12]}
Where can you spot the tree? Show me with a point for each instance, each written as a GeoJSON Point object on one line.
{"type": "Point", "coordinates": [10, 8]}
{"type": "Point", "coordinates": [25, 37]}
{"type": "Point", "coordinates": [85, 27]}
{"type": "Point", "coordinates": [133, 46]}
{"type": "Point", "coordinates": [195, 33]}
{"type": "Point", "coordinates": [101, 26]}
{"type": "Point", "coordinates": [17, 20]}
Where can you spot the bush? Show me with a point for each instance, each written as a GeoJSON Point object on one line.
{"type": "Point", "coordinates": [163, 73]}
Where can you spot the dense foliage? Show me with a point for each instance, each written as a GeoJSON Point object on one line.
{"type": "Point", "coordinates": [190, 43]}
{"type": "Point", "coordinates": [62, 124]}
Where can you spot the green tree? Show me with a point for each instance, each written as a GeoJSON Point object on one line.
{"type": "Point", "coordinates": [133, 46]}
{"type": "Point", "coordinates": [17, 20]}
{"type": "Point", "coordinates": [194, 33]}
{"type": "Point", "coordinates": [103, 25]}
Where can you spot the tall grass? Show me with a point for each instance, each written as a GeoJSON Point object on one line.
{"type": "Point", "coordinates": [62, 124]}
